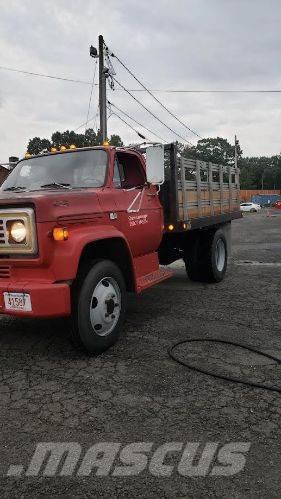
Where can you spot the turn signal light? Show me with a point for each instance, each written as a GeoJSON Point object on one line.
{"type": "Point", "coordinates": [60, 234]}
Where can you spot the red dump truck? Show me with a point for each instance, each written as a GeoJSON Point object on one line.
{"type": "Point", "coordinates": [81, 227]}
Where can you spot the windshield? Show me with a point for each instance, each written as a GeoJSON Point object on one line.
{"type": "Point", "coordinates": [73, 170]}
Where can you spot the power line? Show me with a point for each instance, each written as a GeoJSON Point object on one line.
{"type": "Point", "coordinates": [46, 76]}
{"type": "Point", "coordinates": [160, 90]}
{"type": "Point", "coordinates": [150, 112]}
{"type": "Point", "coordinates": [155, 98]}
{"type": "Point", "coordinates": [91, 119]}
{"type": "Point", "coordinates": [137, 122]}
{"type": "Point", "coordinates": [91, 93]}
{"type": "Point", "coordinates": [129, 125]}
{"type": "Point", "coordinates": [208, 91]}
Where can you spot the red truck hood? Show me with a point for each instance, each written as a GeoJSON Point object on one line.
{"type": "Point", "coordinates": [51, 205]}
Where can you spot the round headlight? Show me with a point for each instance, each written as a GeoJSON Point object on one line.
{"type": "Point", "coordinates": [18, 232]}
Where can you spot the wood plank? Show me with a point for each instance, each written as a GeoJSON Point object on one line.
{"type": "Point", "coordinates": [183, 190]}
{"type": "Point", "coordinates": [198, 181]}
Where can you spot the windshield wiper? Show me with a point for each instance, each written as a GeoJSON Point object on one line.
{"type": "Point", "coordinates": [15, 188]}
{"type": "Point", "coordinates": [56, 184]}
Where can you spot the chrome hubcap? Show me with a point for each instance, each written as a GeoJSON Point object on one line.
{"type": "Point", "coordinates": [105, 306]}
{"type": "Point", "coordinates": [220, 255]}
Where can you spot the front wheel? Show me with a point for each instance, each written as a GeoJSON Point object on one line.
{"type": "Point", "coordinates": [99, 307]}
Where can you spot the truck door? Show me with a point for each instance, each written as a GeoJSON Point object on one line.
{"type": "Point", "coordinates": [138, 207]}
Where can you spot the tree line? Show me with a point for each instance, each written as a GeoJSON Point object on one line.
{"type": "Point", "coordinates": [67, 138]}
{"type": "Point", "coordinates": [261, 172]}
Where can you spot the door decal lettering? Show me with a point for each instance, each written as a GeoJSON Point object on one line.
{"type": "Point", "coordinates": [135, 220]}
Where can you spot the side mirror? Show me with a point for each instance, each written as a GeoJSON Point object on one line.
{"type": "Point", "coordinates": [155, 165]}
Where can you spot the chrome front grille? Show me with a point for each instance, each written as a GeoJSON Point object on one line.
{"type": "Point", "coordinates": [2, 232]}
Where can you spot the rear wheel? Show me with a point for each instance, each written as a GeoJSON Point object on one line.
{"type": "Point", "coordinates": [99, 307]}
{"type": "Point", "coordinates": [206, 258]}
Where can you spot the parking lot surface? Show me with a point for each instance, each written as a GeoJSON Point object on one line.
{"type": "Point", "coordinates": [135, 393]}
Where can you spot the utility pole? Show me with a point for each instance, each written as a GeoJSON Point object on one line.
{"type": "Point", "coordinates": [102, 91]}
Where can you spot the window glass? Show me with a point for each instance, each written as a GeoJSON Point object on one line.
{"type": "Point", "coordinates": [116, 175]}
{"type": "Point", "coordinates": [130, 170]}
{"type": "Point", "coordinates": [77, 169]}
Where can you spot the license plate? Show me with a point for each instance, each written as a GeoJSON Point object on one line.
{"type": "Point", "coordinates": [17, 301]}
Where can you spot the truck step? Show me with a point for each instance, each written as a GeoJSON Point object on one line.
{"type": "Point", "coordinates": [153, 278]}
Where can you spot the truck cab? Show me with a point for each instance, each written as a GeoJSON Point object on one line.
{"type": "Point", "coordinates": [65, 213]}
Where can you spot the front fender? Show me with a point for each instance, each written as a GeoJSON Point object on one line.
{"type": "Point", "coordinates": [66, 255]}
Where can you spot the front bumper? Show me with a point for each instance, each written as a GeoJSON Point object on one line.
{"type": "Point", "coordinates": [47, 299]}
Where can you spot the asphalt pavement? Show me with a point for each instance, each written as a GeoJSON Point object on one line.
{"type": "Point", "coordinates": [135, 393]}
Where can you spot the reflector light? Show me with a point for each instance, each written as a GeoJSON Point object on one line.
{"type": "Point", "coordinates": [60, 234]}
{"type": "Point", "coordinates": [170, 227]}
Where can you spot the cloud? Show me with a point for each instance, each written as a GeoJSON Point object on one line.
{"type": "Point", "coordinates": [191, 44]}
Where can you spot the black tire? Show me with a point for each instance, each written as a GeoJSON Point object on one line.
{"type": "Point", "coordinates": [201, 257]}
{"type": "Point", "coordinates": [252, 210]}
{"type": "Point", "coordinates": [84, 334]}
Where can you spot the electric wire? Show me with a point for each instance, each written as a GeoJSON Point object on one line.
{"type": "Point", "coordinates": [91, 93]}
{"type": "Point", "coordinates": [72, 80]}
{"type": "Point", "coordinates": [150, 112]}
{"type": "Point", "coordinates": [263, 386]}
{"type": "Point", "coordinates": [160, 90]}
{"type": "Point", "coordinates": [128, 124]}
{"type": "Point", "coordinates": [137, 122]}
{"type": "Point", "coordinates": [155, 98]}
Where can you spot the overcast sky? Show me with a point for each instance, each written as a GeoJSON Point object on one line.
{"type": "Point", "coordinates": [179, 44]}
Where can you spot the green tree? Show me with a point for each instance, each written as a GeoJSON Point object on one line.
{"type": "Point", "coordinates": [116, 141]}
{"type": "Point", "coordinates": [37, 145]}
{"type": "Point", "coordinates": [69, 137]}
{"type": "Point", "coordinates": [217, 150]}
{"type": "Point", "coordinates": [260, 172]}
